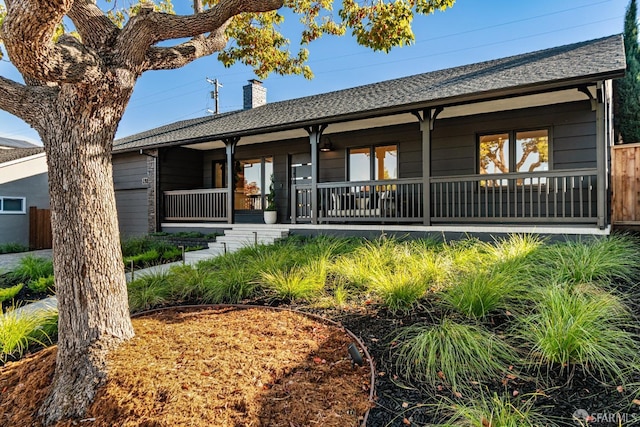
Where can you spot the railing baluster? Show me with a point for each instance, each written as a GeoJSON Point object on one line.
{"type": "Point", "coordinates": [571, 198]}
{"type": "Point", "coordinates": [564, 196]}
{"type": "Point", "coordinates": [590, 190]}
{"type": "Point", "coordinates": [581, 196]}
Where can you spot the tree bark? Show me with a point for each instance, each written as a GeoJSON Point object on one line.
{"type": "Point", "coordinates": [90, 281]}
{"type": "Point", "coordinates": [74, 95]}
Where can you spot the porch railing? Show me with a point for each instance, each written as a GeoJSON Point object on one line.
{"type": "Point", "coordinates": [567, 196]}
{"type": "Point", "coordinates": [361, 201]}
{"type": "Point", "coordinates": [196, 205]}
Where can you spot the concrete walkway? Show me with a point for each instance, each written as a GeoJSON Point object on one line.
{"type": "Point", "coordinates": [10, 261]}
{"type": "Point", "coordinates": [235, 240]}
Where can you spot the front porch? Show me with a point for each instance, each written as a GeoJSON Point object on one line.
{"type": "Point", "coordinates": [542, 198]}
{"type": "Point", "coordinates": [519, 144]}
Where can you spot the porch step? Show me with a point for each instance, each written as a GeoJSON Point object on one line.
{"type": "Point", "coordinates": [238, 237]}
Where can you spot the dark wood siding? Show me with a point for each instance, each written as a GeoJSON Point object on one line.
{"type": "Point", "coordinates": [180, 169]}
{"type": "Point", "coordinates": [572, 131]}
{"type": "Point", "coordinates": [128, 171]}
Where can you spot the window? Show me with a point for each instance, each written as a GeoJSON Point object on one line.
{"type": "Point", "coordinates": [373, 163]}
{"type": "Point", "coordinates": [12, 205]}
{"type": "Point", "coordinates": [252, 178]}
{"type": "Point", "coordinates": [219, 174]}
{"type": "Point", "coordinates": [516, 151]}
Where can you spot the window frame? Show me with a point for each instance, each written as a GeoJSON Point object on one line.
{"type": "Point", "coordinates": [513, 148]}
{"type": "Point", "coordinates": [265, 178]}
{"type": "Point", "coordinates": [23, 201]}
{"type": "Point", "coordinates": [372, 162]}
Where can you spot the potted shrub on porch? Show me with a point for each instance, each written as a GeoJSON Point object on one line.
{"type": "Point", "coordinates": [271, 210]}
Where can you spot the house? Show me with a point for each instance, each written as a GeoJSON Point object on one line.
{"type": "Point", "coordinates": [8, 143]}
{"type": "Point", "coordinates": [509, 144]}
{"type": "Point", "coordinates": [24, 182]}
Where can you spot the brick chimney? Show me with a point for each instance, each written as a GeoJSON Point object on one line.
{"type": "Point", "coordinates": [254, 94]}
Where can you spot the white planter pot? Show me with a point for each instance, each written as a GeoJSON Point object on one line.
{"type": "Point", "coordinates": [270, 217]}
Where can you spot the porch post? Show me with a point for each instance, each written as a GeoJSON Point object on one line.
{"type": "Point", "coordinates": [230, 149]}
{"type": "Point", "coordinates": [426, 125]}
{"type": "Point", "coordinates": [315, 132]}
{"type": "Point", "coordinates": [601, 155]}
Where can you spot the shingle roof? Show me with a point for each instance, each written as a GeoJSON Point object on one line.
{"type": "Point", "coordinates": [15, 143]}
{"type": "Point", "coordinates": [18, 153]}
{"type": "Point", "coordinates": [565, 65]}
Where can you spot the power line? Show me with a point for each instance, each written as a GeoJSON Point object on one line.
{"type": "Point", "coordinates": [334, 57]}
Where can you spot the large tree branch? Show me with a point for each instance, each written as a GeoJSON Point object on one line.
{"type": "Point", "coordinates": [23, 101]}
{"type": "Point", "coordinates": [28, 32]}
{"type": "Point", "coordinates": [96, 30]}
{"type": "Point", "coordinates": [148, 27]}
{"type": "Point", "coordinates": [167, 58]}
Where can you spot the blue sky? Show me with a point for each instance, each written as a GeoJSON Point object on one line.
{"type": "Point", "coordinates": [471, 31]}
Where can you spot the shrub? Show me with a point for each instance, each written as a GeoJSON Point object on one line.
{"type": "Point", "coordinates": [516, 248]}
{"type": "Point", "coordinates": [598, 260]}
{"type": "Point", "coordinates": [147, 258]}
{"type": "Point", "coordinates": [43, 284]}
{"type": "Point", "coordinates": [499, 411]}
{"type": "Point", "coordinates": [340, 296]}
{"type": "Point", "coordinates": [398, 272]}
{"type": "Point", "coordinates": [19, 331]}
{"type": "Point", "coordinates": [582, 325]}
{"type": "Point", "coordinates": [451, 353]}
{"type": "Point", "coordinates": [232, 278]}
{"type": "Point", "coordinates": [477, 294]}
{"type": "Point", "coordinates": [172, 254]}
{"type": "Point", "coordinates": [32, 268]}
{"type": "Point", "coordinates": [399, 289]}
{"type": "Point", "coordinates": [188, 283]}
{"type": "Point", "coordinates": [297, 283]}
{"type": "Point", "coordinates": [464, 256]}
{"type": "Point", "coordinates": [134, 245]}
{"type": "Point", "coordinates": [149, 290]}
{"type": "Point", "coordinates": [9, 293]}
{"type": "Point", "coordinates": [11, 248]}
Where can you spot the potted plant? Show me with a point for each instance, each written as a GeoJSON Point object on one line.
{"type": "Point", "coordinates": [271, 210]}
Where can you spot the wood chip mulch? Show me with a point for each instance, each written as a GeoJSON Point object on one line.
{"type": "Point", "coordinates": [211, 367]}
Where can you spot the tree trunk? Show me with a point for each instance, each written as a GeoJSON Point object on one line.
{"type": "Point", "coordinates": [90, 281]}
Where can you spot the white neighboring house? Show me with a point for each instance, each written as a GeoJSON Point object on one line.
{"type": "Point", "coordinates": [24, 182]}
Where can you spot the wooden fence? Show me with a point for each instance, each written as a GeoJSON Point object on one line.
{"type": "Point", "coordinates": [39, 228]}
{"type": "Point", "coordinates": [625, 183]}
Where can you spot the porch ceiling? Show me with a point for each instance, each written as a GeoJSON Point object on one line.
{"type": "Point", "coordinates": [514, 103]}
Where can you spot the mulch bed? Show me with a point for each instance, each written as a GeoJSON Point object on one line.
{"type": "Point", "coordinates": [212, 367]}
{"type": "Point", "coordinates": [258, 367]}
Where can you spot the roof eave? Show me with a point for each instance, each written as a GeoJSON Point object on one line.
{"type": "Point", "coordinates": [490, 95]}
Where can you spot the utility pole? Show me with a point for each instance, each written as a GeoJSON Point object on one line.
{"type": "Point", "coordinates": [214, 94]}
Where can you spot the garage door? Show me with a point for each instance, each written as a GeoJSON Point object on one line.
{"type": "Point", "coordinates": [133, 212]}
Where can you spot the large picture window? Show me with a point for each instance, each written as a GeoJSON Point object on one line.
{"type": "Point", "coordinates": [514, 151]}
{"type": "Point", "coordinates": [12, 205]}
{"type": "Point", "coordinates": [373, 163]}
